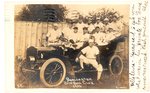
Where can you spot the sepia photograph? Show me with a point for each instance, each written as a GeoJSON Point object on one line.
{"type": "Point", "coordinates": [71, 46]}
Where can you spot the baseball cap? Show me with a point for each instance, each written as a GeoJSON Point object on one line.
{"type": "Point", "coordinates": [85, 28]}
{"type": "Point", "coordinates": [106, 19]}
{"type": "Point", "coordinates": [75, 28]}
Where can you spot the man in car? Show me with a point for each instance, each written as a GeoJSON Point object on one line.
{"type": "Point", "coordinates": [53, 35]}
{"type": "Point", "coordinates": [74, 36]}
{"type": "Point", "coordinates": [86, 34]}
{"type": "Point", "coordinates": [90, 27]}
{"type": "Point", "coordinates": [100, 36]}
{"type": "Point", "coordinates": [90, 55]}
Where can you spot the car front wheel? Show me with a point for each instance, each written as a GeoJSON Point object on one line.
{"type": "Point", "coordinates": [53, 72]}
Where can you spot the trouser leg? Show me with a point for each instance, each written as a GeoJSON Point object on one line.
{"type": "Point", "coordinates": [94, 63]}
{"type": "Point", "coordinates": [98, 67]}
{"type": "Point", "coordinates": [82, 60]}
{"type": "Point", "coordinates": [81, 64]}
{"type": "Point", "coordinates": [99, 71]}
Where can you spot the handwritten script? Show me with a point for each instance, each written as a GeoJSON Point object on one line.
{"type": "Point", "coordinates": [138, 44]}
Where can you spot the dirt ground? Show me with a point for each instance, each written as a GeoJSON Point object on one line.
{"type": "Point", "coordinates": [107, 81]}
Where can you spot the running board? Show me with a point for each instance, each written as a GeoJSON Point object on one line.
{"type": "Point", "coordinates": [88, 71]}
{"type": "Point", "coordinates": [29, 70]}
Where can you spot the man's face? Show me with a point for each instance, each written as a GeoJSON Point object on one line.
{"type": "Point", "coordinates": [106, 22]}
{"type": "Point", "coordinates": [98, 21]}
{"type": "Point", "coordinates": [55, 27]}
{"type": "Point", "coordinates": [115, 19]}
{"type": "Point", "coordinates": [91, 44]}
{"type": "Point", "coordinates": [85, 31]}
{"type": "Point", "coordinates": [75, 30]}
{"type": "Point", "coordinates": [97, 30]}
{"type": "Point", "coordinates": [70, 25]}
{"type": "Point", "coordinates": [80, 21]}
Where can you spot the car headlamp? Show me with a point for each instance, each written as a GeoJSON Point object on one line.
{"type": "Point", "coordinates": [32, 58]}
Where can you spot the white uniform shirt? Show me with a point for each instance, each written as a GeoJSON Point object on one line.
{"type": "Point", "coordinates": [100, 25]}
{"type": "Point", "coordinates": [100, 38]}
{"type": "Point", "coordinates": [117, 26]}
{"type": "Point", "coordinates": [80, 27]}
{"type": "Point", "coordinates": [86, 37]}
{"type": "Point", "coordinates": [96, 24]}
{"type": "Point", "coordinates": [90, 52]}
{"type": "Point", "coordinates": [53, 35]}
{"type": "Point", "coordinates": [112, 35]}
{"type": "Point", "coordinates": [97, 37]}
{"type": "Point", "coordinates": [90, 27]}
{"type": "Point", "coordinates": [67, 31]}
{"type": "Point", "coordinates": [75, 36]}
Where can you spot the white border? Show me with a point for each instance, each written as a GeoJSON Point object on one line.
{"type": "Point", "coordinates": [9, 46]}
{"type": "Point", "coordinates": [2, 71]}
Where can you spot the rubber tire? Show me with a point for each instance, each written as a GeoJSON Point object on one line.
{"type": "Point", "coordinates": [110, 62]}
{"type": "Point", "coordinates": [49, 61]}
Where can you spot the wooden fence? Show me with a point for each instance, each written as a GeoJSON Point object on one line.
{"type": "Point", "coordinates": [34, 34]}
{"type": "Point", "coordinates": [29, 34]}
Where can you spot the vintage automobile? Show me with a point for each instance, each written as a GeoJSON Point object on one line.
{"type": "Point", "coordinates": [55, 62]}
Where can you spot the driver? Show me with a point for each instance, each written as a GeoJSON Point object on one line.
{"type": "Point", "coordinates": [90, 55]}
{"type": "Point", "coordinates": [53, 35]}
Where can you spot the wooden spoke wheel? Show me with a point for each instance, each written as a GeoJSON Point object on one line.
{"type": "Point", "coordinates": [53, 72]}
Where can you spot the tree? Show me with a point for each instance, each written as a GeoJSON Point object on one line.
{"type": "Point", "coordinates": [96, 16]}
{"type": "Point", "coordinates": [111, 14]}
{"type": "Point", "coordinates": [42, 12]}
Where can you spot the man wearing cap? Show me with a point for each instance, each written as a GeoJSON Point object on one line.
{"type": "Point", "coordinates": [96, 34]}
{"type": "Point", "coordinates": [107, 31]}
{"type": "Point", "coordinates": [90, 27]}
{"type": "Point", "coordinates": [106, 22]}
{"type": "Point", "coordinates": [100, 25]}
{"type": "Point", "coordinates": [74, 35]}
{"type": "Point", "coordinates": [67, 30]}
{"type": "Point", "coordinates": [53, 35]}
{"type": "Point", "coordinates": [90, 55]}
{"type": "Point", "coordinates": [100, 36]}
{"type": "Point", "coordinates": [86, 34]}
{"type": "Point", "coordinates": [113, 29]}
{"type": "Point", "coordinates": [80, 26]}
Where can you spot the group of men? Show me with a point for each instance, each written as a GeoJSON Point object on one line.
{"type": "Point", "coordinates": [80, 32]}
{"type": "Point", "coordinates": [95, 34]}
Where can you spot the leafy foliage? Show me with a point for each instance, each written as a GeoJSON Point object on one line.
{"type": "Point", "coordinates": [99, 16]}
{"type": "Point", "coordinates": [42, 12]}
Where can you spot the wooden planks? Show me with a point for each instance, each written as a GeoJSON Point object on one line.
{"type": "Point", "coordinates": [29, 34]}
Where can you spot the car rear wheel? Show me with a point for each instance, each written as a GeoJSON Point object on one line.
{"type": "Point", "coordinates": [115, 65]}
{"type": "Point", "coordinates": [53, 72]}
